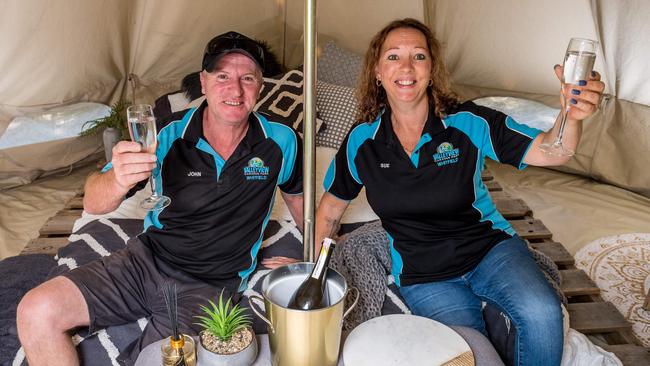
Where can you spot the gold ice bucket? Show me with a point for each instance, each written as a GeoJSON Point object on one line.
{"type": "Point", "coordinates": [302, 337]}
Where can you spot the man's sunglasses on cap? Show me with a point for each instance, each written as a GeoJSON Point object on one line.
{"type": "Point", "coordinates": [231, 42]}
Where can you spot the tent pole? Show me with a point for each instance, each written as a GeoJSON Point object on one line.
{"type": "Point", "coordinates": [309, 152]}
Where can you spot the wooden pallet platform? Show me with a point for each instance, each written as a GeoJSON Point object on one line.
{"type": "Point", "coordinates": [46, 245]}
{"type": "Point", "coordinates": [493, 186]}
{"type": "Point", "coordinates": [512, 208]}
{"type": "Point", "coordinates": [530, 228]}
{"type": "Point", "coordinates": [61, 224]}
{"type": "Point", "coordinates": [555, 251]}
{"type": "Point", "coordinates": [56, 230]}
{"type": "Point", "coordinates": [589, 314]}
{"type": "Point", "coordinates": [575, 282]}
{"type": "Point", "coordinates": [630, 354]}
{"type": "Point", "coordinates": [596, 317]}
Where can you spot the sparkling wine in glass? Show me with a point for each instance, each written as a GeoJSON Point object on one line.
{"type": "Point", "coordinates": [142, 127]}
{"type": "Point", "coordinates": [578, 63]}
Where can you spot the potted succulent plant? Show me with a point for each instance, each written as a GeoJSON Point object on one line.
{"type": "Point", "coordinates": [114, 125]}
{"type": "Point", "coordinates": [227, 337]}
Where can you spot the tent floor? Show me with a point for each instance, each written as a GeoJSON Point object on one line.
{"type": "Point", "coordinates": [589, 314]}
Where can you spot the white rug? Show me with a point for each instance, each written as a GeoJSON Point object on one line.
{"type": "Point", "coordinates": [620, 266]}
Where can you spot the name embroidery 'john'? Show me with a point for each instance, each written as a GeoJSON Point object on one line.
{"type": "Point", "coordinates": [446, 154]}
{"type": "Point", "coordinates": [256, 170]}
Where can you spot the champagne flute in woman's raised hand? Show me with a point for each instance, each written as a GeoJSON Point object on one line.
{"type": "Point", "coordinates": [578, 63]}
{"type": "Point", "coordinates": [142, 127]}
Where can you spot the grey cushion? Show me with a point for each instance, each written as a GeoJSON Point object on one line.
{"type": "Point", "coordinates": [339, 66]}
{"type": "Point", "coordinates": [484, 352]}
{"type": "Point", "coordinates": [337, 107]}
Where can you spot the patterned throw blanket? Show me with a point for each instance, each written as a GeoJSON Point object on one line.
{"type": "Point", "coordinates": [100, 238]}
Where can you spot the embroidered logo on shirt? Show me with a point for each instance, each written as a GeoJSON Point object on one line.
{"type": "Point", "coordinates": [384, 165]}
{"type": "Point", "coordinates": [256, 170]}
{"type": "Point", "coordinates": [193, 174]}
{"type": "Point", "coordinates": [446, 154]}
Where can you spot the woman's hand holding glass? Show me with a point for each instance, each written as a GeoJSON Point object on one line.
{"type": "Point", "coordinates": [581, 90]}
{"type": "Point", "coordinates": [587, 97]}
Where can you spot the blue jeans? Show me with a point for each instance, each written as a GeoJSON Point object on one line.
{"type": "Point", "coordinates": [508, 278]}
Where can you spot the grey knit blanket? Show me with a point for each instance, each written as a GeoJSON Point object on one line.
{"type": "Point", "coordinates": [363, 258]}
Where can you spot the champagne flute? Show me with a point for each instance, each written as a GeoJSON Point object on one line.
{"type": "Point", "coordinates": [142, 128]}
{"type": "Point", "coordinates": [578, 63]}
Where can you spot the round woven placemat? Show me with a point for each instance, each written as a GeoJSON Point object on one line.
{"type": "Point", "coordinates": [620, 266]}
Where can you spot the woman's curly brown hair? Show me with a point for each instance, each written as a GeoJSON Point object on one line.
{"type": "Point", "coordinates": [372, 98]}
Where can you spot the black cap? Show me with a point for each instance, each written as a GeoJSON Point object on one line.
{"type": "Point", "coordinates": [229, 42]}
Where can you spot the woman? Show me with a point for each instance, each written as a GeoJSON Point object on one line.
{"type": "Point", "coordinates": [419, 153]}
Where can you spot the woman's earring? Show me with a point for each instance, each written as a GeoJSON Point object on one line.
{"type": "Point", "coordinates": [378, 82]}
{"type": "Point", "coordinates": [430, 82]}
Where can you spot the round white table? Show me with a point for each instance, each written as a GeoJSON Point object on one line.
{"type": "Point", "coordinates": [400, 339]}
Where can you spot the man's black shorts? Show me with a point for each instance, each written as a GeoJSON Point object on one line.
{"type": "Point", "coordinates": [127, 285]}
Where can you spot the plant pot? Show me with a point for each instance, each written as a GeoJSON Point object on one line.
{"type": "Point", "coordinates": [245, 357]}
{"type": "Point", "coordinates": [111, 137]}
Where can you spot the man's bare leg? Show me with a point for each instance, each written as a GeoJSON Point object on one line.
{"type": "Point", "coordinates": [44, 317]}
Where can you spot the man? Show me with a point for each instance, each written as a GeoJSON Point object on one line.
{"type": "Point", "coordinates": [220, 165]}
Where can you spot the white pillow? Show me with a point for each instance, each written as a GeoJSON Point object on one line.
{"type": "Point", "coordinates": [528, 112]}
{"type": "Point", "coordinates": [357, 211]}
{"type": "Point", "coordinates": [56, 123]}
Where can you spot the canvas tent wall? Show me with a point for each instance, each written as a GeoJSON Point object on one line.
{"type": "Point", "coordinates": [61, 52]}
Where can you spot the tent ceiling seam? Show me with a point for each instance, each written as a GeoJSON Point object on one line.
{"type": "Point", "coordinates": [138, 41]}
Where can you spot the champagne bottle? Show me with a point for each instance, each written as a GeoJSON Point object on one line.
{"type": "Point", "coordinates": [310, 293]}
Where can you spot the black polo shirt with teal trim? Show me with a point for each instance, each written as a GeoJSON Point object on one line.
{"type": "Point", "coordinates": [436, 210]}
{"type": "Point", "coordinates": [219, 208]}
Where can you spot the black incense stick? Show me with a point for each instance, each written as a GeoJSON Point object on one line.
{"type": "Point", "coordinates": [171, 300]}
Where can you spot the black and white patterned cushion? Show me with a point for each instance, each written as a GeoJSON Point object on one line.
{"type": "Point", "coordinates": [337, 107]}
{"type": "Point", "coordinates": [339, 66]}
{"type": "Point", "coordinates": [281, 100]}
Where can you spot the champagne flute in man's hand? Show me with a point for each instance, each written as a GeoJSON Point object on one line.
{"type": "Point", "coordinates": [142, 127]}
{"type": "Point", "coordinates": [578, 63]}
